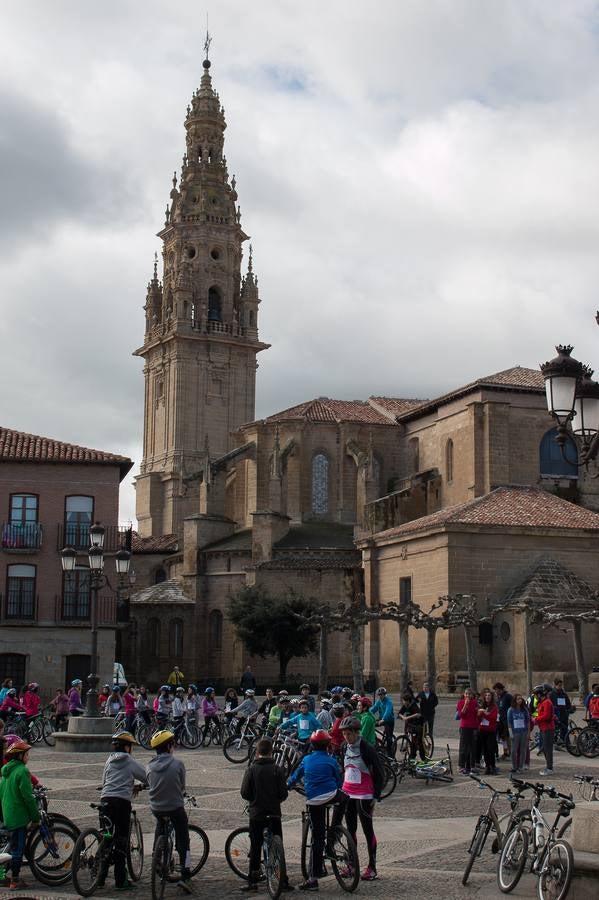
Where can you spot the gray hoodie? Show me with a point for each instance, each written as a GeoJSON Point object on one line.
{"type": "Point", "coordinates": [166, 776]}
{"type": "Point", "coordinates": [119, 774]}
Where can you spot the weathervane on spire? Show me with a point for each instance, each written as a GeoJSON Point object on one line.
{"type": "Point", "coordinates": [208, 40]}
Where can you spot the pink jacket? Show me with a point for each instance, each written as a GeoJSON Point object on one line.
{"type": "Point", "coordinates": [469, 716]}
{"type": "Point", "coordinates": [130, 706]}
{"type": "Point", "coordinates": [209, 707]}
{"type": "Point", "coordinates": [31, 703]}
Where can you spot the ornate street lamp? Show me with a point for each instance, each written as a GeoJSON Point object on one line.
{"type": "Point", "coordinates": [573, 401]}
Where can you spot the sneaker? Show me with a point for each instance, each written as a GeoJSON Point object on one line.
{"type": "Point", "coordinates": [369, 874]}
{"type": "Point", "coordinates": [17, 884]}
{"type": "Point", "coordinates": [464, 771]}
{"type": "Point", "coordinates": [546, 772]}
{"type": "Point", "coordinates": [346, 872]}
{"type": "Point", "coordinates": [185, 885]}
{"type": "Point", "coordinates": [310, 885]}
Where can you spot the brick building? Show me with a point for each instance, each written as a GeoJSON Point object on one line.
{"type": "Point", "coordinates": [50, 494]}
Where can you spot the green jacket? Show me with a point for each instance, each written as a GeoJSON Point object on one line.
{"type": "Point", "coordinates": [274, 717]}
{"type": "Point", "coordinates": [16, 795]}
{"type": "Point", "coordinates": [367, 730]}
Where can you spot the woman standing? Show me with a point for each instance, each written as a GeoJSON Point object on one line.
{"type": "Point", "coordinates": [467, 715]}
{"type": "Point", "coordinates": [487, 730]}
{"type": "Point", "coordinates": [231, 702]}
{"type": "Point", "coordinates": [518, 721]}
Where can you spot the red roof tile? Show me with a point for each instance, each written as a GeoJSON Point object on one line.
{"type": "Point", "coordinates": [505, 507]}
{"type": "Point", "coordinates": [165, 543]}
{"type": "Point", "coordinates": [18, 446]}
{"type": "Point", "coordinates": [394, 406]}
{"type": "Point", "coordinates": [324, 409]}
{"type": "Point", "coordinates": [517, 378]}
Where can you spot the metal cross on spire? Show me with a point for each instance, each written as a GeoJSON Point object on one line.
{"type": "Point", "coordinates": [208, 40]}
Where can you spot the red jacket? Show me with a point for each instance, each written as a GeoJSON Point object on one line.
{"type": "Point", "coordinates": [469, 716]}
{"type": "Point", "coordinates": [594, 707]}
{"type": "Point", "coordinates": [31, 703]}
{"type": "Point", "coordinates": [337, 738]}
{"type": "Point", "coordinates": [8, 703]}
{"type": "Point", "coordinates": [490, 717]}
{"type": "Point", "coordinates": [545, 717]}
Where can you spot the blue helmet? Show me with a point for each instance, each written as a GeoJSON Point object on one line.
{"type": "Point", "coordinates": [337, 690]}
{"type": "Point", "coordinates": [75, 682]}
{"type": "Point", "coordinates": [209, 690]}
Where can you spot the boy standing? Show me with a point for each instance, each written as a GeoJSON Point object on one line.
{"type": "Point", "coordinates": [265, 788]}
{"type": "Point", "coordinates": [18, 806]}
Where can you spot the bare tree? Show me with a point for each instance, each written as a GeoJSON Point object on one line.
{"type": "Point", "coordinates": [550, 617]}
{"type": "Point", "coordinates": [462, 611]}
{"type": "Point", "coordinates": [412, 615]}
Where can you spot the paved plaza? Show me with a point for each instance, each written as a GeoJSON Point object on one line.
{"type": "Point", "coordinates": [423, 831]}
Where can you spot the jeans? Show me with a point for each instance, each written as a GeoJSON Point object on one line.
{"type": "Point", "coordinates": [468, 737]}
{"type": "Point", "coordinates": [257, 827]}
{"type": "Point", "coordinates": [519, 748]}
{"type": "Point", "coordinates": [488, 745]}
{"type": "Point", "coordinates": [389, 729]}
{"type": "Point", "coordinates": [118, 811]}
{"type": "Point", "coordinates": [17, 849]}
{"type": "Point", "coordinates": [430, 721]}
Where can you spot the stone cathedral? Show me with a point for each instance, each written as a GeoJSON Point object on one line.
{"type": "Point", "coordinates": [394, 496]}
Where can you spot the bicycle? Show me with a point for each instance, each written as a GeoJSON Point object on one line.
{"type": "Point", "coordinates": [165, 869]}
{"type": "Point", "coordinates": [588, 787]}
{"type": "Point", "coordinates": [50, 844]}
{"type": "Point", "coordinates": [237, 747]}
{"type": "Point", "coordinates": [550, 855]}
{"type": "Point", "coordinates": [570, 741]}
{"type": "Point", "coordinates": [381, 740]}
{"type": "Point", "coordinates": [489, 820]}
{"type": "Point", "coordinates": [272, 868]}
{"type": "Point", "coordinates": [588, 740]}
{"type": "Point", "coordinates": [340, 850]}
{"type": "Point", "coordinates": [213, 733]}
{"type": "Point", "coordinates": [429, 770]}
{"type": "Point", "coordinates": [94, 852]}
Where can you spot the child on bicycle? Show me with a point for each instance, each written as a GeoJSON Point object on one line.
{"type": "Point", "coordinates": [264, 788]}
{"type": "Point", "coordinates": [166, 779]}
{"type": "Point", "coordinates": [322, 780]}
{"type": "Point", "coordinates": [31, 699]}
{"type": "Point", "coordinates": [18, 806]}
{"type": "Point", "coordinates": [210, 707]}
{"type": "Point", "coordinates": [120, 773]}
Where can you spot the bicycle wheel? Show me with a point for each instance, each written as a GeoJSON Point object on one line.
{"type": "Point", "coordinates": [306, 846]}
{"type": "Point", "coordinates": [588, 742]}
{"type": "Point", "coordinates": [206, 736]}
{"type": "Point", "coordinates": [88, 859]}
{"type": "Point", "coordinates": [556, 874]}
{"type": "Point", "coordinates": [160, 867]}
{"type": "Point", "coordinates": [190, 736]}
{"type": "Point", "coordinates": [48, 732]}
{"type": "Point", "coordinates": [565, 829]}
{"type": "Point", "coordinates": [483, 826]}
{"type": "Point", "coordinates": [274, 867]}
{"type": "Point", "coordinates": [428, 744]}
{"type": "Point", "coordinates": [144, 736]}
{"type": "Point", "coordinates": [344, 860]}
{"type": "Point", "coordinates": [572, 741]}
{"type": "Point", "coordinates": [237, 852]}
{"type": "Point", "coordinates": [236, 749]}
{"type": "Point", "coordinates": [34, 731]}
{"type": "Point", "coordinates": [199, 847]}
{"type": "Point", "coordinates": [390, 782]}
{"type": "Point", "coordinates": [512, 860]}
{"type": "Point", "coordinates": [135, 850]}
{"type": "Point", "coordinates": [50, 853]}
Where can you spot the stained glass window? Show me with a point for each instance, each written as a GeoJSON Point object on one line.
{"type": "Point", "coordinates": [320, 484]}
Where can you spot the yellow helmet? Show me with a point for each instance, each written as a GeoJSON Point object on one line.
{"type": "Point", "coordinates": [161, 737]}
{"type": "Point", "coordinates": [124, 737]}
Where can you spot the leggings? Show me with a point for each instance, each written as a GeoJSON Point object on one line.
{"type": "Point", "coordinates": [363, 810]}
{"type": "Point", "coordinates": [119, 812]}
{"type": "Point", "coordinates": [179, 819]}
{"type": "Point", "coordinates": [468, 737]}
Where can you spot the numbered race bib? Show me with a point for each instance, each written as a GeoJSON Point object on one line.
{"type": "Point", "coordinates": [353, 775]}
{"type": "Point", "coordinates": [485, 722]}
{"type": "Point", "coordinates": [304, 724]}
{"type": "Point", "coordinates": [561, 701]}
{"type": "Point", "coordinates": [519, 722]}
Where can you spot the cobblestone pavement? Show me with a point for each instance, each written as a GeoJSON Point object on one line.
{"type": "Point", "coordinates": [423, 831]}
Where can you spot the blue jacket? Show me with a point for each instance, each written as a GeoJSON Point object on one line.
{"type": "Point", "coordinates": [510, 718]}
{"type": "Point", "coordinates": [294, 722]}
{"type": "Point", "coordinates": [321, 774]}
{"type": "Point", "coordinates": [384, 708]}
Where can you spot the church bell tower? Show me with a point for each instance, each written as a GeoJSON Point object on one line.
{"type": "Point", "coordinates": [201, 327]}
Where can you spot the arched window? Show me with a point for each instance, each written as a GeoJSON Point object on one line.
{"type": "Point", "coordinates": [449, 460]}
{"type": "Point", "coordinates": [159, 575]}
{"type": "Point", "coordinates": [413, 456]}
{"type": "Point", "coordinates": [215, 629]}
{"type": "Point", "coordinates": [154, 637]}
{"type": "Point", "coordinates": [552, 462]}
{"type": "Point", "coordinates": [20, 592]}
{"type": "Point", "coordinates": [214, 305]}
{"type": "Point", "coordinates": [175, 638]}
{"type": "Point", "coordinates": [320, 484]}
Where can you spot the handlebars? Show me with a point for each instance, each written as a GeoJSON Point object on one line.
{"type": "Point", "coordinates": [551, 792]}
{"type": "Point", "coordinates": [508, 793]}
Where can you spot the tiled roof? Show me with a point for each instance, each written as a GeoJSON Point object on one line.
{"type": "Point", "coordinates": [312, 562]}
{"type": "Point", "coordinates": [517, 378]}
{"type": "Point", "coordinates": [165, 592]}
{"type": "Point", "coordinates": [166, 543]}
{"type": "Point", "coordinates": [505, 507]}
{"type": "Point", "coordinates": [318, 536]}
{"type": "Point", "coordinates": [18, 446]}
{"type": "Point", "coordinates": [238, 541]}
{"type": "Point", "coordinates": [550, 583]}
{"type": "Point", "coordinates": [395, 406]}
{"type": "Point", "coordinates": [325, 410]}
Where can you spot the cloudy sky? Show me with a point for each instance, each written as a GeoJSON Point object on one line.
{"type": "Point", "coordinates": [420, 179]}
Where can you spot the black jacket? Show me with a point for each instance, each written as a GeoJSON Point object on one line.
{"type": "Point", "coordinates": [373, 761]}
{"type": "Point", "coordinates": [264, 786]}
{"type": "Point", "coordinates": [428, 705]}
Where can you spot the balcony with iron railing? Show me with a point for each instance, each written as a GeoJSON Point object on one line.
{"type": "Point", "coordinates": [76, 535]}
{"type": "Point", "coordinates": [76, 608]}
{"type": "Point", "coordinates": [21, 536]}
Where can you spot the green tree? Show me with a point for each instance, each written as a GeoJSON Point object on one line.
{"type": "Point", "coordinates": [268, 626]}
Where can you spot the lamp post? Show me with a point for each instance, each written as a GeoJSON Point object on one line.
{"type": "Point", "coordinates": [97, 579]}
{"type": "Point", "coordinates": [573, 401]}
